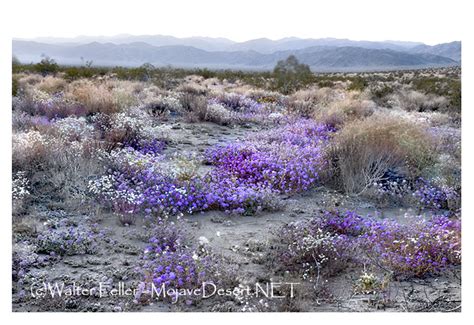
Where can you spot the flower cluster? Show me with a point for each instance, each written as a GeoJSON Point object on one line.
{"type": "Point", "coordinates": [312, 250]}
{"type": "Point", "coordinates": [235, 195]}
{"type": "Point", "coordinates": [416, 248]}
{"type": "Point", "coordinates": [20, 186]}
{"type": "Point", "coordinates": [130, 126]}
{"type": "Point", "coordinates": [168, 261]}
{"type": "Point", "coordinates": [29, 149]}
{"type": "Point", "coordinates": [420, 191]}
{"type": "Point", "coordinates": [392, 187]}
{"type": "Point", "coordinates": [138, 182]}
{"type": "Point", "coordinates": [285, 160]}
{"type": "Point", "coordinates": [245, 180]}
{"type": "Point", "coordinates": [73, 128]}
{"type": "Point", "coordinates": [432, 196]}
{"type": "Point", "coordinates": [228, 108]}
{"type": "Point", "coordinates": [343, 223]}
{"type": "Point", "coordinates": [426, 246]}
{"type": "Point", "coordinates": [146, 146]}
{"type": "Point", "coordinates": [67, 240]}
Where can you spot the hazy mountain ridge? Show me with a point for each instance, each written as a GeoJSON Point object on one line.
{"type": "Point", "coordinates": [450, 50]}
{"type": "Point", "coordinates": [259, 54]}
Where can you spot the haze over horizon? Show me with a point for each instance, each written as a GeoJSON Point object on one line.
{"type": "Point", "coordinates": [42, 38]}
{"type": "Point", "coordinates": [246, 20]}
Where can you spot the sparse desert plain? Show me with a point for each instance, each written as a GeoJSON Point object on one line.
{"type": "Point", "coordinates": [158, 189]}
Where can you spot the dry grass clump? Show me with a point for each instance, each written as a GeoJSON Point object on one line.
{"type": "Point", "coordinates": [126, 93]}
{"type": "Point", "coordinates": [364, 150]}
{"type": "Point", "coordinates": [331, 106]}
{"type": "Point", "coordinates": [193, 88]}
{"type": "Point", "coordinates": [412, 100]}
{"type": "Point", "coordinates": [343, 111]}
{"type": "Point", "coordinates": [304, 102]}
{"type": "Point", "coordinates": [51, 85]}
{"type": "Point", "coordinates": [25, 80]}
{"type": "Point", "coordinates": [96, 97]}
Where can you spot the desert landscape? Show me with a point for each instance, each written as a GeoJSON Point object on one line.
{"type": "Point", "coordinates": [281, 190]}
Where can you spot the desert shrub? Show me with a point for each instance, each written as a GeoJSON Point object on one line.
{"type": "Point", "coordinates": [15, 86]}
{"type": "Point", "coordinates": [46, 66]}
{"type": "Point", "coordinates": [358, 84]}
{"type": "Point", "coordinates": [218, 114]}
{"type": "Point", "coordinates": [82, 72]}
{"type": "Point", "coordinates": [161, 105]}
{"type": "Point", "coordinates": [343, 111]}
{"type": "Point", "coordinates": [379, 92]}
{"type": "Point", "coordinates": [67, 172]}
{"type": "Point", "coordinates": [51, 85]}
{"type": "Point", "coordinates": [119, 129]}
{"type": "Point", "coordinates": [23, 122]}
{"type": "Point", "coordinates": [290, 75]}
{"type": "Point", "coordinates": [124, 99]}
{"type": "Point", "coordinates": [365, 150]}
{"type": "Point", "coordinates": [97, 98]}
{"type": "Point", "coordinates": [30, 151]}
{"type": "Point", "coordinates": [330, 106]}
{"type": "Point", "coordinates": [233, 108]}
{"type": "Point", "coordinates": [58, 166]}
{"type": "Point", "coordinates": [446, 172]}
{"type": "Point", "coordinates": [304, 102]}
{"type": "Point", "coordinates": [454, 95]}
{"type": "Point", "coordinates": [36, 102]}
{"type": "Point", "coordinates": [30, 79]}
{"type": "Point", "coordinates": [194, 105]}
{"type": "Point", "coordinates": [411, 100]}
{"type": "Point", "coordinates": [444, 87]}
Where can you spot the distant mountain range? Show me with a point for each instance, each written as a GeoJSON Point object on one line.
{"type": "Point", "coordinates": [327, 54]}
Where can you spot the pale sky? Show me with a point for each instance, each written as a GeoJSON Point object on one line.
{"type": "Point", "coordinates": [431, 22]}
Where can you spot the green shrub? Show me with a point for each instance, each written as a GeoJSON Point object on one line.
{"type": "Point", "coordinates": [290, 75]}
{"type": "Point", "coordinates": [14, 86]}
{"type": "Point", "coordinates": [358, 83]}
{"type": "Point", "coordinates": [46, 66]}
